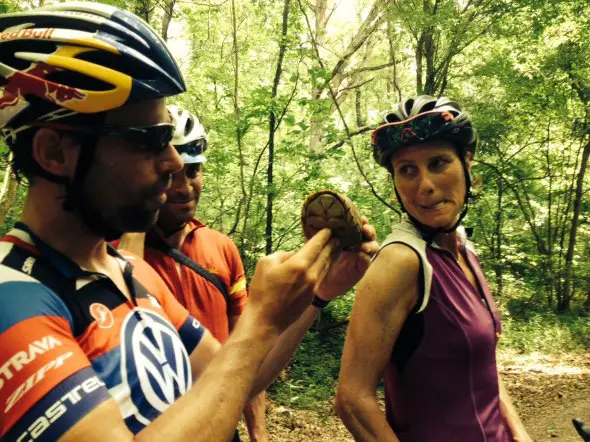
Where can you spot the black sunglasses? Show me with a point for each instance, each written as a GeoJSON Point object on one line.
{"type": "Point", "coordinates": [193, 148]}
{"type": "Point", "coordinates": [149, 139]}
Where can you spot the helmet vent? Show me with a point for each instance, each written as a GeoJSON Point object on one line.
{"type": "Point", "coordinates": [189, 126]}
{"type": "Point", "coordinates": [127, 65]}
{"type": "Point", "coordinates": [75, 80]}
{"type": "Point", "coordinates": [409, 105]}
{"type": "Point", "coordinates": [428, 106]}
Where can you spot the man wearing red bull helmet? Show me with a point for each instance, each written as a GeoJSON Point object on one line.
{"type": "Point", "coordinates": [93, 346]}
{"type": "Point", "coordinates": [424, 317]}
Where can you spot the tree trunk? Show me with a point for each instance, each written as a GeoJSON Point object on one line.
{"type": "Point", "coordinates": [360, 119]}
{"type": "Point", "coordinates": [8, 192]}
{"type": "Point", "coordinates": [568, 292]}
{"type": "Point", "coordinates": [144, 9]}
{"type": "Point", "coordinates": [316, 121]}
{"type": "Point", "coordinates": [499, 270]}
{"type": "Point", "coordinates": [238, 120]}
{"type": "Point", "coordinates": [358, 104]}
{"type": "Point", "coordinates": [168, 10]}
{"type": "Point", "coordinates": [392, 58]}
{"type": "Point", "coordinates": [419, 73]}
{"type": "Point", "coordinates": [550, 249]}
{"type": "Point", "coordinates": [272, 127]}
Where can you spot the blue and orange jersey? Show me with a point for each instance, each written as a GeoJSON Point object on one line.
{"type": "Point", "coordinates": [70, 339]}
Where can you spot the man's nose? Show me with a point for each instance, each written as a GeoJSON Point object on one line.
{"type": "Point", "coordinates": [170, 160]}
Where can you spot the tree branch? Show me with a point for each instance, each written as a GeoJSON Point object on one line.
{"type": "Point", "coordinates": [368, 69]}
{"type": "Point", "coordinates": [333, 95]}
{"type": "Point", "coordinates": [360, 130]}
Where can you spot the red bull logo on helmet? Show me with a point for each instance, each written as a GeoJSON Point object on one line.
{"type": "Point", "coordinates": [8, 100]}
{"type": "Point", "coordinates": [25, 34]}
{"type": "Point", "coordinates": [33, 82]}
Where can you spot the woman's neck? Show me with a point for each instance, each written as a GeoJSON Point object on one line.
{"type": "Point", "coordinates": [449, 242]}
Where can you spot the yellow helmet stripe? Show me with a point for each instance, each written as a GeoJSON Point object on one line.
{"type": "Point", "coordinates": [90, 101]}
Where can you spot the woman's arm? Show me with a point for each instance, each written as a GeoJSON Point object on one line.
{"type": "Point", "coordinates": [515, 425]}
{"type": "Point", "coordinates": [385, 296]}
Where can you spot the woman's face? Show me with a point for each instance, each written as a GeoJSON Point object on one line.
{"type": "Point", "coordinates": [430, 181]}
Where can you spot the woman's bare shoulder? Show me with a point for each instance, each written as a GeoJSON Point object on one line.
{"type": "Point", "coordinates": [398, 256]}
{"type": "Point", "coordinates": [392, 278]}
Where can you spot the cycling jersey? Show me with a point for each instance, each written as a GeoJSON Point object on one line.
{"type": "Point", "coordinates": [218, 254]}
{"type": "Point", "coordinates": [70, 339]}
{"type": "Point", "coordinates": [441, 383]}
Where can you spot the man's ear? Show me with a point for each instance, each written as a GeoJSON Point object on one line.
{"type": "Point", "coordinates": [55, 153]}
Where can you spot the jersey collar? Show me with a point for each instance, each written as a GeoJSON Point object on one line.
{"type": "Point", "coordinates": [22, 236]}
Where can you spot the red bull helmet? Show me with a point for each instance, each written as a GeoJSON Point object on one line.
{"type": "Point", "coordinates": [73, 62]}
{"type": "Point", "coordinates": [79, 58]}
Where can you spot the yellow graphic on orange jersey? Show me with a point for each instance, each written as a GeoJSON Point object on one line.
{"type": "Point", "coordinates": [238, 286]}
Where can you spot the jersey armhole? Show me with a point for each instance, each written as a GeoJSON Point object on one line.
{"type": "Point", "coordinates": [421, 299]}
{"type": "Point", "coordinates": [412, 330]}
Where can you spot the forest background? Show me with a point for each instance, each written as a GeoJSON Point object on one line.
{"type": "Point", "coordinates": [289, 91]}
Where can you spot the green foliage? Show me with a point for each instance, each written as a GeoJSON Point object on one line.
{"type": "Point", "coordinates": [313, 373]}
{"type": "Point", "coordinates": [7, 6]}
{"type": "Point", "coordinates": [538, 330]}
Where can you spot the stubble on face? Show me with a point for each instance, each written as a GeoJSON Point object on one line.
{"type": "Point", "coordinates": [183, 199]}
{"type": "Point", "coordinates": [125, 188]}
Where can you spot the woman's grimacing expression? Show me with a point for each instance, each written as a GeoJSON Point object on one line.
{"type": "Point", "coordinates": [430, 181]}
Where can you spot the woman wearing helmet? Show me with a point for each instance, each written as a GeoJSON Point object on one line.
{"type": "Point", "coordinates": [424, 318]}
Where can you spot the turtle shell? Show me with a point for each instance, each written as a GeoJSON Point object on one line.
{"type": "Point", "coordinates": [336, 212]}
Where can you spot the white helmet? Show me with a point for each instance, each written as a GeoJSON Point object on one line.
{"type": "Point", "coordinates": [190, 138]}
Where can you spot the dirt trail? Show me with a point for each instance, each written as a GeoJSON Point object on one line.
{"type": "Point", "coordinates": [548, 393]}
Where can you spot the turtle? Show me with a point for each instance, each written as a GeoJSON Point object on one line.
{"type": "Point", "coordinates": [330, 209]}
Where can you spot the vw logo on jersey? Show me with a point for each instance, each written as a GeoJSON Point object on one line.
{"type": "Point", "coordinates": [154, 363]}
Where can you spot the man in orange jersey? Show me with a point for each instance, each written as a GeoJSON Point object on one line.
{"type": "Point", "coordinates": [217, 304]}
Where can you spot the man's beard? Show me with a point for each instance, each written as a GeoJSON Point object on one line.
{"type": "Point", "coordinates": [135, 217]}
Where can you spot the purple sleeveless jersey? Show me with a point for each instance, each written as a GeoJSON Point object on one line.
{"type": "Point", "coordinates": [441, 383]}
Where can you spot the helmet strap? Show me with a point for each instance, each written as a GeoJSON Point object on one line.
{"type": "Point", "coordinates": [74, 199]}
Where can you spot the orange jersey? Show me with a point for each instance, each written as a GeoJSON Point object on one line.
{"type": "Point", "coordinates": [70, 339]}
{"type": "Point", "coordinates": [218, 254]}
